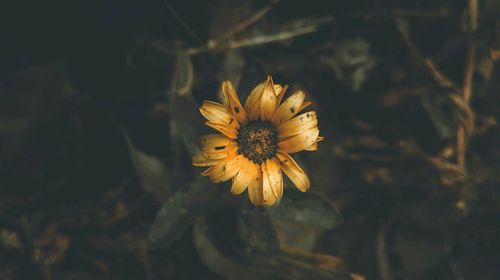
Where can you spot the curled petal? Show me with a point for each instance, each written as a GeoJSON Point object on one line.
{"type": "Point", "coordinates": [298, 125]}
{"type": "Point", "coordinates": [252, 104]}
{"type": "Point", "coordinates": [299, 142]}
{"type": "Point", "coordinates": [233, 102]}
{"type": "Point", "coordinates": [280, 92]}
{"type": "Point", "coordinates": [294, 172]}
{"type": "Point", "coordinates": [268, 100]}
{"type": "Point", "coordinates": [216, 113]}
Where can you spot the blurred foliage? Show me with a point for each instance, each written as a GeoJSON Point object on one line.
{"type": "Point", "coordinates": [99, 120]}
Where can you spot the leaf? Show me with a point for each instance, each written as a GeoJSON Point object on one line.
{"type": "Point", "coordinates": [178, 214]}
{"type": "Point", "coordinates": [257, 231]}
{"type": "Point", "coordinates": [154, 175]}
{"type": "Point", "coordinates": [308, 208]}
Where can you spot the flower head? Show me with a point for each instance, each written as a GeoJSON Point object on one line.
{"type": "Point", "coordinates": [256, 141]}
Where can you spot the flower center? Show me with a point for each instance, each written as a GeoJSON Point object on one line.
{"type": "Point", "coordinates": [257, 141]}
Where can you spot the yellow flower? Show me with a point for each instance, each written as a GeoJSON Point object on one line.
{"type": "Point", "coordinates": [256, 141]}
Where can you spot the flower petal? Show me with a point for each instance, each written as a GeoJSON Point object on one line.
{"type": "Point", "coordinates": [298, 125]}
{"type": "Point", "coordinates": [294, 172]}
{"type": "Point", "coordinates": [252, 104]}
{"type": "Point", "coordinates": [225, 169]}
{"type": "Point", "coordinates": [289, 108]}
{"type": "Point", "coordinates": [216, 113]}
{"type": "Point", "coordinates": [215, 142]}
{"type": "Point", "coordinates": [233, 102]}
{"type": "Point", "coordinates": [267, 192]}
{"type": "Point", "coordinates": [241, 181]}
{"type": "Point", "coordinates": [314, 146]}
{"type": "Point", "coordinates": [299, 142]}
{"type": "Point", "coordinates": [268, 100]}
{"type": "Point", "coordinates": [228, 131]}
{"type": "Point", "coordinates": [255, 187]}
{"type": "Point", "coordinates": [281, 92]}
{"type": "Point", "coordinates": [223, 152]}
{"type": "Point", "coordinates": [274, 177]}
{"type": "Point", "coordinates": [200, 160]}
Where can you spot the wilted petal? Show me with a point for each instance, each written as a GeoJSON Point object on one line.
{"type": "Point", "coordinates": [294, 172]}
{"type": "Point", "coordinates": [233, 102]}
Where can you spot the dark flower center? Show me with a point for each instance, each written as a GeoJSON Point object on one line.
{"type": "Point", "coordinates": [257, 141]}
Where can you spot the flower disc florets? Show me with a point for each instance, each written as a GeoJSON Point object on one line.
{"type": "Point", "coordinates": [257, 141]}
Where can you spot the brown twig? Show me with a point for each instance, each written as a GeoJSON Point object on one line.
{"type": "Point", "coordinates": [459, 97]}
{"type": "Point", "coordinates": [302, 29]}
{"type": "Point", "coordinates": [462, 113]}
{"type": "Point", "coordinates": [251, 19]}
{"type": "Point", "coordinates": [384, 267]}
{"type": "Point", "coordinates": [462, 134]}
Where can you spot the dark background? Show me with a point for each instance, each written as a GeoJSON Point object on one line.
{"type": "Point", "coordinates": [99, 120]}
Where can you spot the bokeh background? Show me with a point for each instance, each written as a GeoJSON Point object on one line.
{"type": "Point", "coordinates": [99, 120]}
